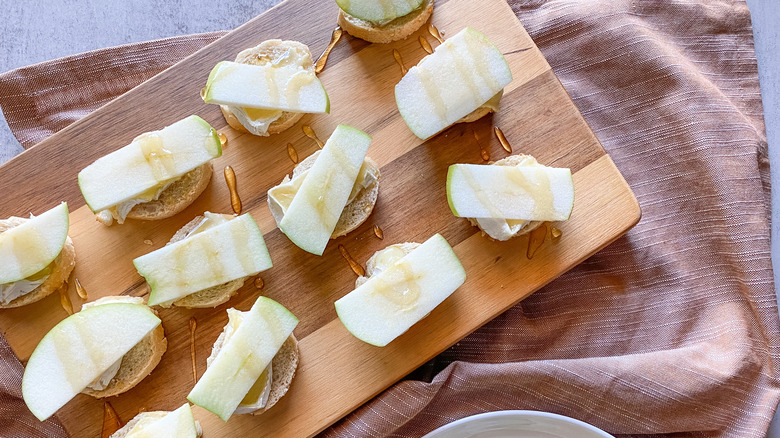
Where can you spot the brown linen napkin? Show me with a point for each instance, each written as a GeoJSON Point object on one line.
{"type": "Point", "coordinates": [673, 329]}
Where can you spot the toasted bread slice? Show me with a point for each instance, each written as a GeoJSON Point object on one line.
{"type": "Point", "coordinates": [284, 365]}
{"type": "Point", "coordinates": [137, 363]}
{"type": "Point", "coordinates": [61, 268]}
{"type": "Point", "coordinates": [512, 160]}
{"type": "Point", "coordinates": [122, 433]}
{"type": "Point", "coordinates": [395, 30]}
{"type": "Point", "coordinates": [175, 197]}
{"type": "Point", "coordinates": [213, 296]}
{"type": "Point", "coordinates": [354, 213]}
{"type": "Point", "coordinates": [265, 53]}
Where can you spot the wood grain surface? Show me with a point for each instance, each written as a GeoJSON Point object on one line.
{"type": "Point", "coordinates": [337, 372]}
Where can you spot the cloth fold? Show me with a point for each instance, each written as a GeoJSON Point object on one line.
{"type": "Point", "coordinates": [670, 331]}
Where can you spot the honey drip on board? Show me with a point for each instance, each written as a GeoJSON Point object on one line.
{"type": "Point", "coordinates": [292, 153]}
{"type": "Point", "coordinates": [223, 139]}
{"type": "Point", "coordinates": [203, 93]}
{"type": "Point", "coordinates": [312, 135]}
{"type": "Point", "coordinates": [65, 301]}
{"type": "Point", "coordinates": [434, 31]}
{"type": "Point", "coordinates": [535, 239]}
{"type": "Point", "coordinates": [80, 290]}
{"type": "Point", "coordinates": [356, 268]}
{"type": "Point", "coordinates": [502, 138]}
{"type": "Point", "coordinates": [425, 45]}
{"type": "Point", "coordinates": [193, 326]}
{"type": "Point", "coordinates": [319, 66]}
{"type": "Point", "coordinates": [259, 283]}
{"type": "Point", "coordinates": [111, 421]}
{"type": "Point", "coordinates": [400, 61]}
{"type": "Point", "coordinates": [482, 152]}
{"type": "Point", "coordinates": [378, 232]}
{"type": "Point", "coordinates": [230, 179]}
{"type": "Point", "coordinates": [555, 233]}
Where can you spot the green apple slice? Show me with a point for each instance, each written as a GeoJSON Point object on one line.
{"type": "Point", "coordinates": [459, 77]}
{"type": "Point", "coordinates": [177, 424]}
{"type": "Point", "coordinates": [317, 206]}
{"type": "Point", "coordinates": [243, 358]}
{"type": "Point", "coordinates": [275, 87]}
{"type": "Point", "coordinates": [536, 193]}
{"type": "Point", "coordinates": [378, 11]}
{"type": "Point", "coordinates": [30, 247]}
{"type": "Point", "coordinates": [150, 161]}
{"type": "Point", "coordinates": [222, 253]}
{"type": "Point", "coordinates": [78, 350]}
{"type": "Point", "coordinates": [391, 302]}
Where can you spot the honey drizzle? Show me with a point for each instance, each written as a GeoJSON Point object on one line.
{"type": "Point", "coordinates": [378, 232]}
{"type": "Point", "coordinates": [399, 60]}
{"type": "Point", "coordinates": [425, 45]}
{"type": "Point", "coordinates": [535, 239]}
{"type": "Point", "coordinates": [230, 179]}
{"type": "Point", "coordinates": [111, 421]}
{"type": "Point", "coordinates": [319, 66]}
{"type": "Point", "coordinates": [312, 135]}
{"type": "Point", "coordinates": [193, 326]}
{"type": "Point", "coordinates": [292, 153]}
{"type": "Point", "coordinates": [502, 138]}
{"type": "Point", "coordinates": [65, 301]}
{"type": "Point", "coordinates": [434, 31]}
{"type": "Point", "coordinates": [555, 233]}
{"type": "Point", "coordinates": [356, 268]}
{"type": "Point", "coordinates": [80, 290]}
{"type": "Point", "coordinates": [482, 152]}
{"type": "Point", "coordinates": [203, 93]}
{"type": "Point", "coordinates": [223, 140]}
{"type": "Point", "coordinates": [259, 283]}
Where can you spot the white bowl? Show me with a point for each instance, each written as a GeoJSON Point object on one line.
{"type": "Point", "coordinates": [518, 424]}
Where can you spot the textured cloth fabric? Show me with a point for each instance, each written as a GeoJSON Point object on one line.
{"type": "Point", "coordinates": [670, 331]}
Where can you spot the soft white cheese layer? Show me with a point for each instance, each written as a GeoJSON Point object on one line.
{"type": "Point", "coordinates": [12, 291]}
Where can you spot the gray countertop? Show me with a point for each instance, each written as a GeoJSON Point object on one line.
{"type": "Point", "coordinates": [32, 32]}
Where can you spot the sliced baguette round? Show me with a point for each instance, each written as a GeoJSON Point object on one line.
{"type": "Point", "coordinates": [175, 197]}
{"type": "Point", "coordinates": [122, 433]}
{"type": "Point", "coordinates": [284, 364]}
{"type": "Point", "coordinates": [395, 30]}
{"type": "Point", "coordinates": [213, 296]}
{"type": "Point", "coordinates": [264, 53]}
{"type": "Point", "coordinates": [354, 213]}
{"type": "Point", "coordinates": [137, 363]}
{"type": "Point", "coordinates": [512, 160]}
{"type": "Point", "coordinates": [61, 268]}
{"type": "Point", "coordinates": [371, 264]}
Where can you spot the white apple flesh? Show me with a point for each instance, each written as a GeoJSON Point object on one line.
{"type": "Point", "coordinates": [273, 87]}
{"type": "Point", "coordinates": [391, 302]}
{"type": "Point", "coordinates": [177, 424]}
{"type": "Point", "coordinates": [378, 11]}
{"type": "Point", "coordinates": [536, 193]}
{"type": "Point", "coordinates": [461, 75]}
{"type": "Point", "coordinates": [315, 210]}
{"type": "Point", "coordinates": [30, 247]}
{"type": "Point", "coordinates": [243, 358]}
{"type": "Point", "coordinates": [78, 350]}
{"type": "Point", "coordinates": [222, 253]}
{"type": "Point", "coordinates": [152, 159]}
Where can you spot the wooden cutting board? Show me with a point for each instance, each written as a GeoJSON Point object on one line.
{"type": "Point", "coordinates": [337, 372]}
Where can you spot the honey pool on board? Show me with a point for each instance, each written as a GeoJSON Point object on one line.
{"type": "Point", "coordinates": [335, 37]}
{"type": "Point", "coordinates": [235, 200]}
